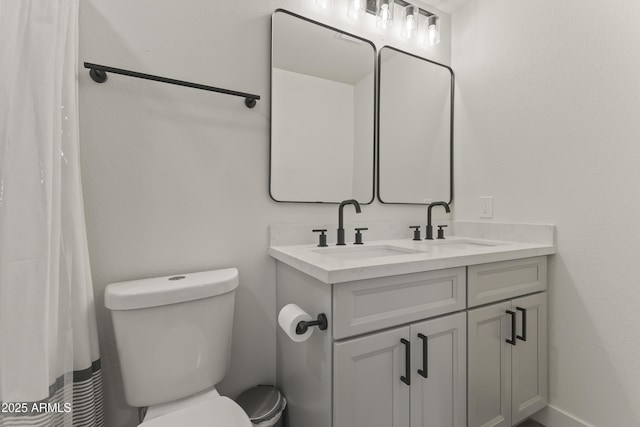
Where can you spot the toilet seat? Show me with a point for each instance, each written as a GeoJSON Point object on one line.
{"type": "Point", "coordinates": [215, 412]}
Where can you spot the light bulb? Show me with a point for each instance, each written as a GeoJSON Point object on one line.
{"type": "Point", "coordinates": [433, 31]}
{"type": "Point", "coordinates": [410, 22]}
{"type": "Point", "coordinates": [384, 12]}
{"type": "Point", "coordinates": [355, 9]}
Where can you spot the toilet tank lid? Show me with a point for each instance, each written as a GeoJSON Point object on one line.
{"type": "Point", "coordinates": [158, 291]}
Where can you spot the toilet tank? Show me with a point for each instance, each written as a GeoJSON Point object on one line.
{"type": "Point", "coordinates": [173, 333]}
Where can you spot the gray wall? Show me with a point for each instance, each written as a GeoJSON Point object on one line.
{"type": "Point", "coordinates": [176, 180]}
{"type": "Point", "coordinates": [547, 105]}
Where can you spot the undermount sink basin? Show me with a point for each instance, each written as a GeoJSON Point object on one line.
{"type": "Point", "coordinates": [361, 252]}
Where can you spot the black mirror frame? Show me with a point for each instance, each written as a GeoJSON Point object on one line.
{"type": "Point", "coordinates": [375, 106]}
{"type": "Point", "coordinates": [378, 174]}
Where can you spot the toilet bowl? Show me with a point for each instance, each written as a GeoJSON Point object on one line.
{"type": "Point", "coordinates": [173, 336]}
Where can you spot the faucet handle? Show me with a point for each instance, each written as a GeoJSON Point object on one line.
{"type": "Point", "coordinates": [322, 238]}
{"type": "Point", "coordinates": [359, 235]}
{"type": "Point", "coordinates": [441, 231]}
{"type": "Point", "coordinates": [416, 232]}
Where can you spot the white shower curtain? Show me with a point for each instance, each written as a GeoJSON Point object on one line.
{"type": "Point", "coordinates": [49, 362]}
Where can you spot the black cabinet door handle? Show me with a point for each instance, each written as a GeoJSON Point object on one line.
{"type": "Point", "coordinates": [406, 378]}
{"type": "Point", "coordinates": [523, 337]}
{"type": "Point", "coordinates": [512, 341]}
{"type": "Point", "coordinates": [424, 372]}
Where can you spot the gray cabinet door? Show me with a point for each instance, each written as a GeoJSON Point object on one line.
{"type": "Point", "coordinates": [367, 389]}
{"type": "Point", "coordinates": [529, 358]}
{"type": "Point", "coordinates": [440, 398]}
{"type": "Point", "coordinates": [489, 375]}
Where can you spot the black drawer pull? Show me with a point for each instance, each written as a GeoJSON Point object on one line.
{"type": "Point", "coordinates": [523, 337]}
{"type": "Point", "coordinates": [512, 341]}
{"type": "Point", "coordinates": [424, 372]}
{"type": "Point", "coordinates": [407, 362]}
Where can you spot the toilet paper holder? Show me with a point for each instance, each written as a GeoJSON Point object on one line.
{"type": "Point", "coordinates": [322, 323]}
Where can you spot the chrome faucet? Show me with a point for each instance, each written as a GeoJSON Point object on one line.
{"type": "Point", "coordinates": [429, 227]}
{"type": "Point", "coordinates": [341, 218]}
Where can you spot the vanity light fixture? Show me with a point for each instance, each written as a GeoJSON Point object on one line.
{"type": "Point", "coordinates": [383, 9]}
{"type": "Point", "coordinates": [433, 30]}
{"type": "Point", "coordinates": [356, 8]}
{"type": "Point", "coordinates": [384, 13]}
{"type": "Point", "coordinates": [325, 4]}
{"type": "Point", "coordinates": [410, 21]}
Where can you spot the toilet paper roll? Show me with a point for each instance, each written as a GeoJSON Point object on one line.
{"type": "Point", "coordinates": [288, 319]}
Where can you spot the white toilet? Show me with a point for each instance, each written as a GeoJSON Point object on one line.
{"type": "Point", "coordinates": [173, 336]}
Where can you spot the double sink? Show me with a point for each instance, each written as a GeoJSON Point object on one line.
{"type": "Point", "coordinates": [433, 247]}
{"type": "Point", "coordinates": [381, 258]}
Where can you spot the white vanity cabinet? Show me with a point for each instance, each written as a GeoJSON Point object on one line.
{"type": "Point", "coordinates": [409, 376]}
{"type": "Point", "coordinates": [507, 346]}
{"type": "Point", "coordinates": [351, 375]}
{"type": "Point", "coordinates": [416, 350]}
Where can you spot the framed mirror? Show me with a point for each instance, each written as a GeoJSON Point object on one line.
{"type": "Point", "coordinates": [415, 133]}
{"type": "Point", "coordinates": [322, 113]}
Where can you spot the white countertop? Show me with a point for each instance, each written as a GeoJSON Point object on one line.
{"type": "Point", "coordinates": [434, 255]}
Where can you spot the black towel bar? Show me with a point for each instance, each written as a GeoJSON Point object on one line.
{"type": "Point", "coordinates": [99, 74]}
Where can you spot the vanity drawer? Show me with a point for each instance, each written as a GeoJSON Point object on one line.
{"type": "Point", "coordinates": [497, 281]}
{"type": "Point", "coordinates": [369, 305]}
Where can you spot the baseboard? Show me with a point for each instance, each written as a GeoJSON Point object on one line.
{"type": "Point", "coordinates": [554, 417]}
